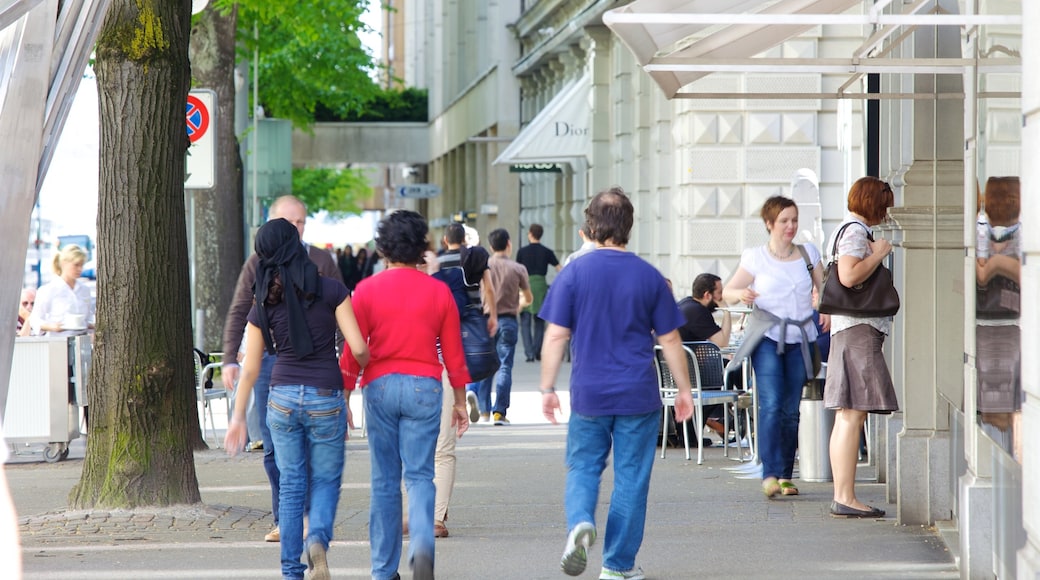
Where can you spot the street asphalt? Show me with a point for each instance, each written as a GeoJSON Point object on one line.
{"type": "Point", "coordinates": [506, 519]}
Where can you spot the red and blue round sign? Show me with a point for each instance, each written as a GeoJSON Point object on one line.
{"type": "Point", "coordinates": [197, 116]}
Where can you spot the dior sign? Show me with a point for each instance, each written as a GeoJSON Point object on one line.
{"type": "Point", "coordinates": [565, 129]}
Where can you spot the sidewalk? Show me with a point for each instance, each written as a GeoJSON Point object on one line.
{"type": "Point", "coordinates": [506, 519]}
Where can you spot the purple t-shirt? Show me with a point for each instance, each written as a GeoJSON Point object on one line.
{"type": "Point", "coordinates": [320, 368]}
{"type": "Point", "coordinates": [612, 302]}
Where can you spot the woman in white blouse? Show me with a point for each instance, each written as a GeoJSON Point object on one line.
{"type": "Point", "coordinates": [63, 305]}
{"type": "Point", "coordinates": [776, 278]}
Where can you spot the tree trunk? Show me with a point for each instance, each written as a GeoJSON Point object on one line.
{"type": "Point", "coordinates": [141, 392]}
{"type": "Point", "coordinates": [218, 244]}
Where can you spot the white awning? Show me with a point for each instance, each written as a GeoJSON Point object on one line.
{"type": "Point", "coordinates": [650, 42]}
{"type": "Point", "coordinates": [680, 41]}
{"type": "Point", "coordinates": [561, 132]}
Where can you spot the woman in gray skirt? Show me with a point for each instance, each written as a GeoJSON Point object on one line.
{"type": "Point", "coordinates": [858, 381]}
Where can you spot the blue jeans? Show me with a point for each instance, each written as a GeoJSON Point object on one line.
{"type": "Point", "coordinates": [588, 443]}
{"type": "Point", "coordinates": [505, 344]}
{"type": "Point", "coordinates": [308, 426]}
{"type": "Point", "coordinates": [779, 380]}
{"type": "Point", "coordinates": [403, 414]}
{"type": "Point", "coordinates": [532, 329]}
{"type": "Point", "coordinates": [261, 390]}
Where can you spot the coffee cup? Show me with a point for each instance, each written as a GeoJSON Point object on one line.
{"type": "Point", "coordinates": [74, 322]}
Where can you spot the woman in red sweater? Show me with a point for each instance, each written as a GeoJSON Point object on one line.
{"type": "Point", "coordinates": [405, 315]}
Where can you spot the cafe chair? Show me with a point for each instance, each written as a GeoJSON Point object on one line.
{"type": "Point", "coordinates": [707, 381]}
{"type": "Point", "coordinates": [206, 393]}
{"type": "Point", "coordinates": [711, 374]}
{"type": "Point", "coordinates": [666, 385]}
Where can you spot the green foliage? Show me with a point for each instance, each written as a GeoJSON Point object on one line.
{"type": "Point", "coordinates": [337, 191]}
{"type": "Point", "coordinates": [387, 106]}
{"type": "Point", "coordinates": [309, 53]}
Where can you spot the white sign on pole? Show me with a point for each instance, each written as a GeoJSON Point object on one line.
{"type": "Point", "coordinates": [419, 190]}
{"type": "Point", "coordinates": [199, 116]}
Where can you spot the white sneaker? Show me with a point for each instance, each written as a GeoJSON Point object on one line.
{"type": "Point", "coordinates": [633, 574]}
{"type": "Point", "coordinates": [474, 408]}
{"type": "Point", "coordinates": [575, 553]}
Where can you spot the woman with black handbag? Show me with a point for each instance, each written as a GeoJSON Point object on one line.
{"type": "Point", "coordinates": [858, 381]}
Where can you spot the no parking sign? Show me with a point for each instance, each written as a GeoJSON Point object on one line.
{"type": "Point", "coordinates": [201, 157]}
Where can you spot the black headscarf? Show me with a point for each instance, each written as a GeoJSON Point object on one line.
{"type": "Point", "coordinates": [280, 251]}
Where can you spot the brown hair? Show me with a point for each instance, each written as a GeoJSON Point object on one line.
{"type": "Point", "coordinates": [773, 206]}
{"type": "Point", "coordinates": [870, 197]}
{"type": "Point", "coordinates": [1002, 200]}
{"type": "Point", "coordinates": [609, 216]}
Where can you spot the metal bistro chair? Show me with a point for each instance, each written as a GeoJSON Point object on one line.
{"type": "Point", "coordinates": [711, 378]}
{"type": "Point", "coordinates": [206, 393]}
{"type": "Point", "coordinates": [708, 387]}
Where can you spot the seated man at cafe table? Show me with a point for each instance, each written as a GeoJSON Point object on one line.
{"type": "Point", "coordinates": [700, 324]}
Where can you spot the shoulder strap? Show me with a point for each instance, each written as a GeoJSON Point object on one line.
{"type": "Point", "coordinates": [834, 246]}
{"type": "Point", "coordinates": [805, 256]}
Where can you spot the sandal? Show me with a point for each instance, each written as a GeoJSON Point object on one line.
{"type": "Point", "coordinates": [770, 487]}
{"type": "Point", "coordinates": [788, 488]}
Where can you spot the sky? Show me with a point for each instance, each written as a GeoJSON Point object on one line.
{"type": "Point", "coordinates": [68, 197]}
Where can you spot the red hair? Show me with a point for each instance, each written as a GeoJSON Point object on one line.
{"type": "Point", "coordinates": [870, 197]}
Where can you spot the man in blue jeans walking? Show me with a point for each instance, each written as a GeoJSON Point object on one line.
{"type": "Point", "coordinates": [615, 401]}
{"type": "Point", "coordinates": [508, 279]}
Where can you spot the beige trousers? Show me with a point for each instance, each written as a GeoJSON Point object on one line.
{"type": "Point", "coordinates": [444, 457]}
{"type": "Point", "coordinates": [443, 461]}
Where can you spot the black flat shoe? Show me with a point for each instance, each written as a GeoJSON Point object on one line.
{"type": "Point", "coordinates": [843, 511]}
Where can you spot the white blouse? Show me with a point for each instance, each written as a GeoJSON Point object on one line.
{"type": "Point", "coordinates": [54, 300]}
{"type": "Point", "coordinates": [784, 289]}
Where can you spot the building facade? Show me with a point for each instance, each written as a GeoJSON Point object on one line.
{"type": "Point", "coordinates": [537, 105]}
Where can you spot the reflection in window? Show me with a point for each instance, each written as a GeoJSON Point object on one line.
{"type": "Point", "coordinates": [998, 253]}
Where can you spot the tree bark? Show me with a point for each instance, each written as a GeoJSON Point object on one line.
{"type": "Point", "coordinates": [141, 391]}
{"type": "Point", "coordinates": [218, 244]}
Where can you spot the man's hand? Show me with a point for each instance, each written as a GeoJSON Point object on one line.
{"type": "Point", "coordinates": [550, 406]}
{"type": "Point", "coordinates": [350, 424]}
{"type": "Point", "coordinates": [683, 407]}
{"type": "Point", "coordinates": [459, 419]}
{"type": "Point", "coordinates": [229, 374]}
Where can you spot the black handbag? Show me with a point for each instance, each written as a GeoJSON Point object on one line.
{"type": "Point", "coordinates": [478, 344]}
{"type": "Point", "coordinates": [875, 296]}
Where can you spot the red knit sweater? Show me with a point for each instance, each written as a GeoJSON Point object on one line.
{"type": "Point", "coordinates": [403, 313]}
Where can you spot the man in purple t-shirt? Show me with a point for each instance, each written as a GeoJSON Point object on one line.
{"type": "Point", "coordinates": [611, 321]}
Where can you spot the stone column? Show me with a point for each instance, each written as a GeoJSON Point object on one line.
{"type": "Point", "coordinates": [924, 161]}
{"type": "Point", "coordinates": [600, 66]}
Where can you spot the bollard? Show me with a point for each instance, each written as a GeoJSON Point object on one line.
{"type": "Point", "coordinates": [814, 433]}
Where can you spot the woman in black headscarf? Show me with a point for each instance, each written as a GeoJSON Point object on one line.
{"type": "Point", "coordinates": [295, 315]}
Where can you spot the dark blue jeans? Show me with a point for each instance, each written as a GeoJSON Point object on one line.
{"type": "Point", "coordinates": [262, 390]}
{"type": "Point", "coordinates": [502, 380]}
{"type": "Point", "coordinates": [779, 379]}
